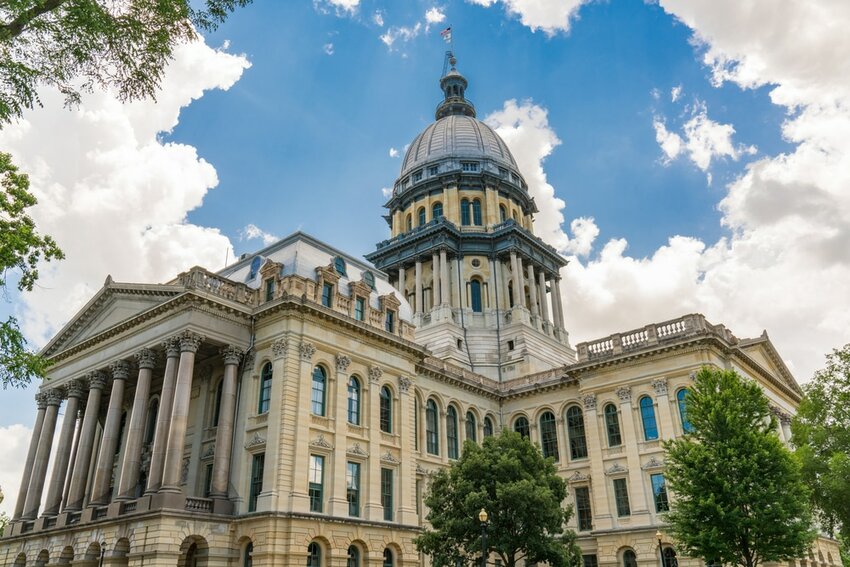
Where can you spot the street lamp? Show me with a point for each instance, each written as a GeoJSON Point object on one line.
{"type": "Point", "coordinates": [482, 517]}
{"type": "Point", "coordinates": [660, 548]}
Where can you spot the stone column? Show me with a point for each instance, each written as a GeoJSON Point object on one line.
{"type": "Point", "coordinates": [557, 310]}
{"type": "Point", "coordinates": [436, 288]}
{"type": "Point", "coordinates": [521, 277]}
{"type": "Point", "coordinates": [63, 454]}
{"type": "Point", "coordinates": [163, 418]}
{"type": "Point", "coordinates": [637, 494]}
{"type": "Point", "coordinates": [73, 460]}
{"type": "Point", "coordinates": [41, 404]}
{"type": "Point", "coordinates": [544, 305]}
{"type": "Point", "coordinates": [603, 519]}
{"type": "Point", "coordinates": [42, 456]}
{"type": "Point", "coordinates": [461, 296]}
{"type": "Point", "coordinates": [401, 282]}
{"type": "Point", "coordinates": [405, 475]}
{"type": "Point", "coordinates": [532, 287]}
{"type": "Point", "coordinates": [663, 404]}
{"type": "Point", "coordinates": [515, 274]}
{"type": "Point", "coordinates": [130, 467]}
{"type": "Point", "coordinates": [85, 447]}
{"type": "Point", "coordinates": [189, 344]}
{"type": "Point", "coordinates": [224, 431]}
{"type": "Point", "coordinates": [418, 287]}
{"type": "Point", "coordinates": [111, 430]}
{"type": "Point", "coordinates": [300, 501]}
{"type": "Point", "coordinates": [373, 509]}
{"type": "Point", "coordinates": [445, 295]}
{"type": "Point", "coordinates": [338, 501]}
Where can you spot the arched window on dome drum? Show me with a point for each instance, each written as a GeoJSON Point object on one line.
{"type": "Point", "coordinates": [475, 295]}
{"type": "Point", "coordinates": [436, 210]}
{"type": "Point", "coordinates": [629, 558]}
{"type": "Point", "coordinates": [488, 427]}
{"type": "Point", "coordinates": [421, 216]}
{"type": "Point", "coordinates": [647, 417]}
{"type": "Point", "coordinates": [353, 557]}
{"type": "Point", "coordinates": [388, 557]}
{"type": "Point", "coordinates": [318, 393]}
{"type": "Point", "coordinates": [683, 413]}
{"type": "Point", "coordinates": [575, 433]}
{"type": "Point", "coordinates": [386, 413]}
{"type": "Point", "coordinates": [549, 436]}
{"type": "Point", "coordinates": [451, 432]}
{"type": "Point", "coordinates": [354, 401]}
{"type": "Point", "coordinates": [409, 222]}
{"type": "Point", "coordinates": [471, 426]}
{"type": "Point", "coordinates": [516, 216]}
{"type": "Point", "coordinates": [521, 427]}
{"type": "Point", "coordinates": [476, 212]}
{"type": "Point", "coordinates": [265, 388]}
{"type": "Point", "coordinates": [503, 213]}
{"type": "Point", "coordinates": [612, 426]}
{"type": "Point", "coordinates": [314, 555]}
{"type": "Point", "coordinates": [464, 212]}
{"type": "Point", "coordinates": [432, 443]}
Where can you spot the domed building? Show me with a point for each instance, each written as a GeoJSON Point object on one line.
{"type": "Point", "coordinates": [290, 408]}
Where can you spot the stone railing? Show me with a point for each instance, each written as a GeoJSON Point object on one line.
{"type": "Point", "coordinates": [198, 504]}
{"type": "Point", "coordinates": [203, 280]}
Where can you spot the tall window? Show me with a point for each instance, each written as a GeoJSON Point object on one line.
{"type": "Point", "coordinates": [327, 295]}
{"type": "Point", "coordinates": [475, 295]}
{"type": "Point", "coordinates": [248, 555]}
{"type": "Point", "coordinates": [360, 309]}
{"type": "Point", "coordinates": [575, 433]}
{"type": "Point", "coordinates": [647, 416]}
{"type": "Point", "coordinates": [471, 426]}
{"type": "Point", "coordinates": [629, 558]}
{"type": "Point", "coordinates": [208, 480]}
{"type": "Point", "coordinates": [265, 388]}
{"type": "Point", "coordinates": [621, 497]}
{"type": "Point", "coordinates": [217, 403]}
{"type": "Point", "coordinates": [476, 212]}
{"type": "Point", "coordinates": [409, 222]}
{"type": "Point", "coordinates": [432, 443]}
{"type": "Point", "coordinates": [317, 481]}
{"type": "Point", "coordinates": [590, 560]}
{"type": "Point", "coordinates": [680, 397]}
{"type": "Point", "coordinates": [612, 425]}
{"type": "Point", "coordinates": [353, 557]}
{"type": "Point", "coordinates": [437, 210]}
{"type": "Point", "coordinates": [389, 321]}
{"type": "Point", "coordinates": [421, 216]}
{"type": "Point", "coordinates": [451, 432]}
{"type": "Point", "coordinates": [488, 427]}
{"type": "Point", "coordinates": [269, 289]}
{"type": "Point", "coordinates": [318, 395]}
{"type": "Point", "coordinates": [352, 488]}
{"type": "Point", "coordinates": [583, 512]}
{"type": "Point", "coordinates": [256, 480]}
{"type": "Point", "coordinates": [354, 401]}
{"type": "Point", "coordinates": [388, 557]}
{"type": "Point", "coordinates": [387, 493]}
{"type": "Point", "coordinates": [521, 426]}
{"type": "Point", "coordinates": [464, 212]}
{"type": "Point", "coordinates": [386, 403]}
{"type": "Point", "coordinates": [548, 435]}
{"type": "Point", "coordinates": [314, 555]}
{"type": "Point", "coordinates": [659, 493]}
{"type": "Point", "coordinates": [416, 424]}
{"type": "Point", "coordinates": [503, 213]}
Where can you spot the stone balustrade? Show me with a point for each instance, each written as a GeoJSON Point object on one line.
{"type": "Point", "coordinates": [206, 281]}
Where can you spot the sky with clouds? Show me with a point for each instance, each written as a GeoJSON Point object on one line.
{"type": "Point", "coordinates": [686, 155]}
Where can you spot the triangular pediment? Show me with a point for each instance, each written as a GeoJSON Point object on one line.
{"type": "Point", "coordinates": [763, 353]}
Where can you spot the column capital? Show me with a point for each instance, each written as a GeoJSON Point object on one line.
{"type": "Point", "coordinates": [404, 384]}
{"type": "Point", "coordinates": [307, 350]}
{"type": "Point", "coordinates": [589, 401]}
{"type": "Point", "coordinates": [279, 347]}
{"type": "Point", "coordinates": [624, 393]}
{"type": "Point", "coordinates": [145, 358]}
{"type": "Point", "coordinates": [171, 346]}
{"type": "Point", "coordinates": [54, 396]}
{"type": "Point", "coordinates": [76, 388]}
{"type": "Point", "coordinates": [232, 354]}
{"type": "Point", "coordinates": [660, 386]}
{"type": "Point", "coordinates": [375, 373]}
{"type": "Point", "coordinates": [120, 370]}
{"type": "Point", "coordinates": [342, 362]}
{"type": "Point", "coordinates": [189, 341]}
{"type": "Point", "coordinates": [41, 400]}
{"type": "Point", "coordinates": [96, 380]}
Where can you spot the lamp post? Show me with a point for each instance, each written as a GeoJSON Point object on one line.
{"type": "Point", "coordinates": [660, 548]}
{"type": "Point", "coordinates": [482, 517]}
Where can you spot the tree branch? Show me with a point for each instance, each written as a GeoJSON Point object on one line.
{"type": "Point", "coordinates": [14, 28]}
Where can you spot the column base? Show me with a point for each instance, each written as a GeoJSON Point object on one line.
{"type": "Point", "coordinates": [222, 506]}
{"type": "Point", "coordinates": [169, 500]}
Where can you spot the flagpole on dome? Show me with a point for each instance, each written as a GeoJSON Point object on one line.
{"type": "Point", "coordinates": [446, 34]}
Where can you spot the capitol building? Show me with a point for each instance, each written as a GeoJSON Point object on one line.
{"type": "Point", "coordinates": [290, 408]}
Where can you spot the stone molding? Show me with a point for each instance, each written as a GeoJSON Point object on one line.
{"type": "Point", "coordinates": [232, 355]}
{"type": "Point", "coordinates": [307, 351]}
{"type": "Point", "coordinates": [279, 348]}
{"type": "Point", "coordinates": [389, 458]}
{"type": "Point", "coordinates": [342, 362]}
{"type": "Point", "coordinates": [189, 341]}
{"type": "Point", "coordinates": [660, 386]}
{"type": "Point", "coordinates": [145, 358]}
{"type": "Point", "coordinates": [357, 450]}
{"type": "Point", "coordinates": [578, 477]}
{"type": "Point", "coordinates": [120, 370]}
{"type": "Point", "coordinates": [404, 384]}
{"type": "Point", "coordinates": [589, 402]}
{"type": "Point", "coordinates": [616, 468]}
{"type": "Point", "coordinates": [320, 441]}
{"type": "Point", "coordinates": [375, 373]}
{"type": "Point", "coordinates": [653, 463]}
{"type": "Point", "coordinates": [256, 441]}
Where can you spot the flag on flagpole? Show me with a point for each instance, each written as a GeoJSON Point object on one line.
{"type": "Point", "coordinates": [447, 34]}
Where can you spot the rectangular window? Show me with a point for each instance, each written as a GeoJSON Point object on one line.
{"type": "Point", "coordinates": [389, 323]}
{"type": "Point", "coordinates": [621, 497]}
{"type": "Point", "coordinates": [418, 497]}
{"type": "Point", "coordinates": [387, 493]}
{"type": "Point", "coordinates": [469, 165]}
{"type": "Point", "coordinates": [327, 295]}
{"type": "Point", "coordinates": [360, 309]}
{"type": "Point", "coordinates": [659, 493]}
{"type": "Point", "coordinates": [590, 560]}
{"type": "Point", "coordinates": [269, 289]}
{"type": "Point", "coordinates": [503, 172]}
{"type": "Point", "coordinates": [317, 479]}
{"type": "Point", "coordinates": [256, 481]}
{"type": "Point", "coordinates": [208, 480]}
{"type": "Point", "coordinates": [352, 488]}
{"type": "Point", "coordinates": [583, 512]}
{"type": "Point", "coordinates": [433, 170]}
{"type": "Point", "coordinates": [417, 176]}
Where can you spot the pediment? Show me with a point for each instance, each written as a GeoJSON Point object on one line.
{"type": "Point", "coordinates": [763, 353]}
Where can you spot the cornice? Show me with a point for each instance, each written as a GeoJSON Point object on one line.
{"type": "Point", "coordinates": [457, 376]}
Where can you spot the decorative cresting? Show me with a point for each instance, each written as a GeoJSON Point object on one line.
{"type": "Point", "coordinates": [357, 450]}
{"type": "Point", "coordinates": [660, 386]}
{"type": "Point", "coordinates": [256, 441]}
{"type": "Point", "coordinates": [279, 348]}
{"type": "Point", "coordinates": [52, 398]}
{"type": "Point", "coordinates": [307, 351]}
{"type": "Point", "coordinates": [342, 362]}
{"type": "Point", "coordinates": [232, 355]}
{"type": "Point", "coordinates": [404, 384]}
{"type": "Point", "coordinates": [624, 393]}
{"type": "Point", "coordinates": [589, 401]}
{"type": "Point", "coordinates": [321, 442]}
{"type": "Point", "coordinates": [375, 373]}
{"type": "Point", "coordinates": [120, 370]}
{"type": "Point", "coordinates": [85, 446]}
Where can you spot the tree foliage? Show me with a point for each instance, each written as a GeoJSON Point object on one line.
{"type": "Point", "coordinates": [522, 494]}
{"type": "Point", "coordinates": [739, 498]}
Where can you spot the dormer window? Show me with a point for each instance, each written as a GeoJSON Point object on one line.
{"type": "Point", "coordinates": [369, 278]}
{"type": "Point", "coordinates": [360, 309]}
{"type": "Point", "coordinates": [339, 266]}
{"type": "Point", "coordinates": [389, 321]}
{"type": "Point", "coordinates": [327, 295]}
{"type": "Point", "coordinates": [469, 165]}
{"type": "Point", "coordinates": [417, 176]}
{"type": "Point", "coordinates": [255, 267]}
{"type": "Point", "coordinates": [269, 287]}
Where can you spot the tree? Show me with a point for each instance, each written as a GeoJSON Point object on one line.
{"type": "Point", "coordinates": [821, 433]}
{"type": "Point", "coordinates": [738, 494]}
{"type": "Point", "coordinates": [522, 494]}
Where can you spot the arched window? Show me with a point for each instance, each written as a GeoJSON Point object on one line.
{"type": "Point", "coordinates": [683, 414]}
{"type": "Point", "coordinates": [388, 557]}
{"type": "Point", "coordinates": [451, 432]}
{"type": "Point", "coordinates": [503, 213]}
{"type": "Point", "coordinates": [416, 424]}
{"type": "Point", "coordinates": [339, 266]}
{"type": "Point", "coordinates": [575, 433]}
{"type": "Point", "coordinates": [318, 394]}
{"type": "Point", "coordinates": [629, 558]}
{"type": "Point", "coordinates": [475, 295]}
{"type": "Point", "coordinates": [354, 401]}
{"type": "Point", "coordinates": [464, 212]}
{"type": "Point", "coordinates": [248, 555]}
{"type": "Point", "coordinates": [217, 403]}
{"type": "Point", "coordinates": [432, 443]}
{"type": "Point", "coordinates": [150, 428]}
{"type": "Point", "coordinates": [471, 426]}
{"type": "Point", "coordinates": [353, 557]}
{"type": "Point", "coordinates": [265, 388]}
{"type": "Point", "coordinates": [488, 427]}
{"type": "Point", "coordinates": [420, 215]}
{"type": "Point", "coordinates": [476, 212]}
{"type": "Point", "coordinates": [436, 210]}
{"type": "Point", "coordinates": [409, 222]}
{"type": "Point", "coordinates": [549, 436]}
{"type": "Point", "coordinates": [314, 555]}
{"type": "Point", "coordinates": [612, 426]}
{"type": "Point", "coordinates": [386, 410]}
{"type": "Point", "coordinates": [647, 416]}
{"type": "Point", "coordinates": [521, 427]}
{"type": "Point", "coordinates": [670, 559]}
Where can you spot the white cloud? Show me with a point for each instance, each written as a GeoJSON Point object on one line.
{"type": "Point", "coordinates": [328, 48]}
{"type": "Point", "coordinates": [253, 232]}
{"type": "Point", "coordinates": [549, 16]}
{"type": "Point", "coordinates": [341, 7]}
{"type": "Point", "coordinates": [112, 194]}
{"type": "Point", "coordinates": [403, 33]}
{"type": "Point", "coordinates": [670, 142]}
{"type": "Point", "coordinates": [387, 192]}
{"type": "Point", "coordinates": [675, 93]}
{"type": "Point", "coordinates": [14, 443]}
{"type": "Point", "coordinates": [378, 18]}
{"type": "Point", "coordinates": [394, 153]}
{"type": "Point", "coordinates": [434, 15]}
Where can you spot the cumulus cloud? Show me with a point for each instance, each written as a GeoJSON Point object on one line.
{"type": "Point", "coordinates": [670, 142]}
{"type": "Point", "coordinates": [378, 18]}
{"type": "Point", "coordinates": [403, 33]}
{"type": "Point", "coordinates": [394, 153]}
{"type": "Point", "coordinates": [675, 93]}
{"type": "Point", "coordinates": [114, 195]}
{"type": "Point", "coordinates": [433, 16]}
{"type": "Point", "coordinates": [253, 232]}
{"type": "Point", "coordinates": [387, 192]}
{"type": "Point", "coordinates": [340, 7]}
{"type": "Point", "coordinates": [549, 16]}
{"type": "Point", "coordinates": [14, 443]}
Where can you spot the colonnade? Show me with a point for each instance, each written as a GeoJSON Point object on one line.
{"type": "Point", "coordinates": [78, 481]}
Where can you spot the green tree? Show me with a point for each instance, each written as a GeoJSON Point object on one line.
{"type": "Point", "coordinates": [522, 494]}
{"type": "Point", "coordinates": [821, 433]}
{"type": "Point", "coordinates": [738, 494]}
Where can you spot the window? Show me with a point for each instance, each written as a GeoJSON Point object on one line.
{"type": "Point", "coordinates": [583, 512]}
{"type": "Point", "coordinates": [217, 403]}
{"type": "Point", "coordinates": [471, 426]}
{"type": "Point", "coordinates": [469, 166]}
{"type": "Point", "coordinates": [269, 289]}
{"type": "Point", "coordinates": [503, 172]}
{"type": "Point", "coordinates": [369, 278]}
{"type": "Point", "coordinates": [464, 212]}
{"type": "Point", "coordinates": [409, 222]}
{"type": "Point", "coordinates": [327, 295]}
{"type": "Point", "coordinates": [451, 432]}
{"type": "Point", "coordinates": [420, 215]}
{"type": "Point", "coordinates": [488, 427]}
{"type": "Point", "coordinates": [248, 555]}
{"type": "Point", "coordinates": [621, 497]}
{"type": "Point", "coordinates": [389, 321]}
{"type": "Point", "coordinates": [434, 170]}
{"type": "Point", "coordinates": [386, 410]}
{"type": "Point", "coordinates": [670, 557]}
{"type": "Point", "coordinates": [431, 440]}
{"type": "Point", "coordinates": [659, 493]}
{"type": "Point", "coordinates": [548, 435]}
{"type": "Point", "coordinates": [387, 493]}
{"type": "Point", "coordinates": [629, 558]}
{"type": "Point", "coordinates": [476, 212]}
{"type": "Point", "coordinates": [416, 424]}
{"type": "Point", "coordinates": [475, 295]}
{"type": "Point", "coordinates": [208, 480]}
{"type": "Point", "coordinates": [575, 433]}
{"type": "Point", "coordinates": [265, 388]}
{"type": "Point", "coordinates": [354, 401]}
{"type": "Point", "coordinates": [647, 416]}
{"type": "Point", "coordinates": [521, 426]}
{"type": "Point", "coordinates": [503, 213]}
{"type": "Point", "coordinates": [353, 557]}
{"type": "Point", "coordinates": [317, 481]}
{"type": "Point", "coordinates": [417, 176]}
{"type": "Point", "coordinates": [255, 267]}
{"type": "Point", "coordinates": [683, 415]}
{"type": "Point", "coordinates": [318, 395]}
{"type": "Point", "coordinates": [352, 488]}
{"type": "Point", "coordinates": [612, 425]}
{"type": "Point", "coordinates": [256, 481]}
{"type": "Point", "coordinates": [511, 345]}
{"type": "Point", "coordinates": [589, 561]}
{"type": "Point", "coordinates": [360, 309]}
{"type": "Point", "coordinates": [314, 555]}
{"type": "Point", "coordinates": [339, 266]}
{"type": "Point", "coordinates": [436, 210]}
{"type": "Point", "coordinates": [388, 557]}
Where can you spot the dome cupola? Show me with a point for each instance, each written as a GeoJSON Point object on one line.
{"type": "Point", "coordinates": [454, 88]}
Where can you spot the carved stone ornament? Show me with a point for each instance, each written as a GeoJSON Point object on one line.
{"type": "Point", "coordinates": [785, 419]}
{"type": "Point", "coordinates": [357, 450]}
{"type": "Point", "coordinates": [76, 389]}
{"type": "Point", "coordinates": [375, 373]}
{"type": "Point", "coordinates": [616, 468]}
{"type": "Point", "coordinates": [54, 396]}
{"type": "Point", "coordinates": [624, 393]}
{"type": "Point", "coordinates": [145, 358]}
{"type": "Point", "coordinates": [209, 453]}
{"type": "Point", "coordinates": [420, 470]}
{"type": "Point", "coordinates": [171, 346]}
{"type": "Point", "coordinates": [307, 351]}
{"type": "Point", "coordinates": [692, 375]}
{"type": "Point", "coordinates": [41, 400]}
{"type": "Point", "coordinates": [579, 477]}
{"type": "Point", "coordinates": [589, 401]}
{"type": "Point", "coordinates": [404, 384]}
{"type": "Point", "coordinates": [389, 458]}
{"type": "Point", "coordinates": [320, 441]}
{"type": "Point", "coordinates": [653, 463]}
{"type": "Point", "coordinates": [189, 341]}
{"type": "Point", "coordinates": [342, 362]}
{"type": "Point", "coordinates": [120, 370]}
{"type": "Point", "coordinates": [232, 355]}
{"type": "Point", "coordinates": [660, 386]}
{"type": "Point", "coordinates": [97, 380]}
{"type": "Point", "coordinates": [255, 441]}
{"type": "Point", "coordinates": [279, 348]}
